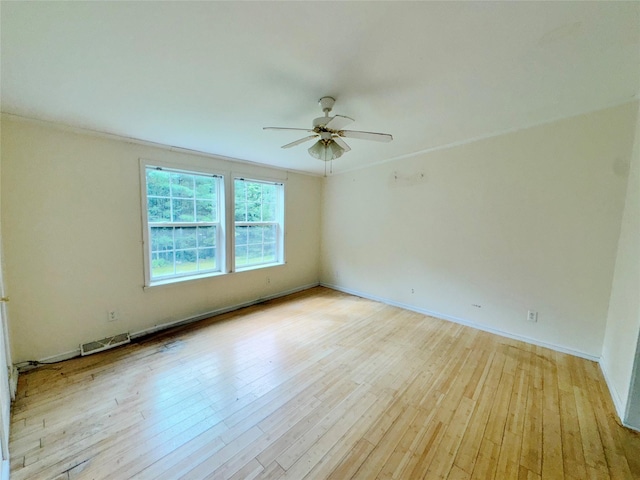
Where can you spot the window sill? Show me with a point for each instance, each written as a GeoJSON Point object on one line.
{"type": "Point", "coordinates": [258, 267]}
{"type": "Point", "coordinates": [172, 281]}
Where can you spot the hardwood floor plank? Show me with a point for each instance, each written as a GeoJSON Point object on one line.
{"type": "Point", "coordinates": [387, 444]}
{"type": "Point", "coordinates": [472, 439]}
{"type": "Point", "coordinates": [309, 438]}
{"type": "Point", "coordinates": [339, 390]}
{"type": "Point", "coordinates": [317, 456]}
{"type": "Point", "coordinates": [531, 453]}
{"type": "Point", "coordinates": [487, 462]}
{"type": "Point", "coordinates": [509, 459]}
{"type": "Point", "coordinates": [352, 460]}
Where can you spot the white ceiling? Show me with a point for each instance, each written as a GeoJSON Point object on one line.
{"type": "Point", "coordinates": [208, 76]}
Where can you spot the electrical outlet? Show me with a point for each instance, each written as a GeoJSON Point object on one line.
{"type": "Point", "coordinates": [113, 315]}
{"type": "Point", "coordinates": [268, 280]}
{"type": "Point", "coordinates": [532, 316]}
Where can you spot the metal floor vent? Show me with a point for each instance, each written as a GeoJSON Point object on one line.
{"type": "Point", "coordinates": [104, 344]}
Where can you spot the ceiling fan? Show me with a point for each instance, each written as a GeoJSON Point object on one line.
{"type": "Point", "coordinates": [329, 132]}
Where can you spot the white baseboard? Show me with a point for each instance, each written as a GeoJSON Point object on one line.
{"type": "Point", "coordinates": [615, 396]}
{"type": "Point", "coordinates": [620, 406]}
{"type": "Point", "coordinates": [176, 323]}
{"type": "Point", "coordinates": [467, 323]}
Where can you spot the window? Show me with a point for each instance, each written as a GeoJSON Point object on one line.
{"type": "Point", "coordinates": [198, 224]}
{"type": "Point", "coordinates": [184, 228]}
{"type": "Point", "coordinates": [258, 208]}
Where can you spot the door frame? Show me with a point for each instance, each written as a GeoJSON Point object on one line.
{"type": "Point", "coordinates": [8, 376]}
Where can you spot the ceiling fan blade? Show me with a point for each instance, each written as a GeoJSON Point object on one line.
{"type": "Point", "coordinates": [377, 137]}
{"type": "Point", "coordinates": [338, 122]}
{"type": "Point", "coordinates": [342, 143]}
{"type": "Point", "coordinates": [287, 128]}
{"type": "Point", "coordinates": [298, 142]}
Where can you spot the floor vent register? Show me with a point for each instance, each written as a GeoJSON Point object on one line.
{"type": "Point", "coordinates": [104, 344]}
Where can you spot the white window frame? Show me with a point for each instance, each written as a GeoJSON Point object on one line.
{"type": "Point", "coordinates": [221, 240]}
{"type": "Point", "coordinates": [278, 222]}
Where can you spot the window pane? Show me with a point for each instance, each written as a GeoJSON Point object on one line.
{"type": "Point", "coordinates": [162, 263]}
{"type": "Point", "coordinates": [186, 261]}
{"type": "Point", "coordinates": [182, 210]}
{"type": "Point", "coordinates": [185, 237]}
{"type": "Point", "coordinates": [206, 236]}
{"type": "Point", "coordinates": [241, 255]}
{"type": "Point", "coordinates": [240, 200]}
{"type": "Point", "coordinates": [269, 252]}
{"type": "Point", "coordinates": [268, 212]}
{"type": "Point", "coordinates": [205, 187]}
{"type": "Point", "coordinates": [182, 185]}
{"type": "Point", "coordinates": [240, 190]}
{"type": "Point", "coordinates": [254, 213]}
{"type": "Point", "coordinates": [206, 259]}
{"type": "Point", "coordinates": [161, 239]}
{"type": "Point", "coordinates": [255, 253]}
{"type": "Point", "coordinates": [159, 209]}
{"type": "Point", "coordinates": [256, 244]}
{"type": "Point", "coordinates": [269, 233]}
{"type": "Point", "coordinates": [269, 193]}
{"type": "Point", "coordinates": [157, 183]}
{"type": "Point", "coordinates": [254, 191]}
{"type": "Point", "coordinates": [240, 212]}
{"type": "Point", "coordinates": [205, 211]}
{"type": "Point", "coordinates": [241, 235]}
{"type": "Point", "coordinates": [255, 235]}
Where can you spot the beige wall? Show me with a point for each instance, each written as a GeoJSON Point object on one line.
{"type": "Point", "coordinates": [72, 236]}
{"type": "Point", "coordinates": [623, 322]}
{"type": "Point", "coordinates": [481, 233]}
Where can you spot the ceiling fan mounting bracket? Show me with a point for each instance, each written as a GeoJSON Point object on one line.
{"type": "Point", "coordinates": [326, 103]}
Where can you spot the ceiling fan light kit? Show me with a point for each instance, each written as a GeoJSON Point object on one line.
{"type": "Point", "coordinates": [329, 132]}
{"type": "Point", "coordinates": [326, 150]}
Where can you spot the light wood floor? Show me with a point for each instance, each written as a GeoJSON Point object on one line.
{"type": "Point", "coordinates": [321, 385]}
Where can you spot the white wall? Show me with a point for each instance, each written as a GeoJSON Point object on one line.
{"type": "Point", "coordinates": [526, 220]}
{"type": "Point", "coordinates": [72, 236]}
{"type": "Point", "coordinates": [623, 322]}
